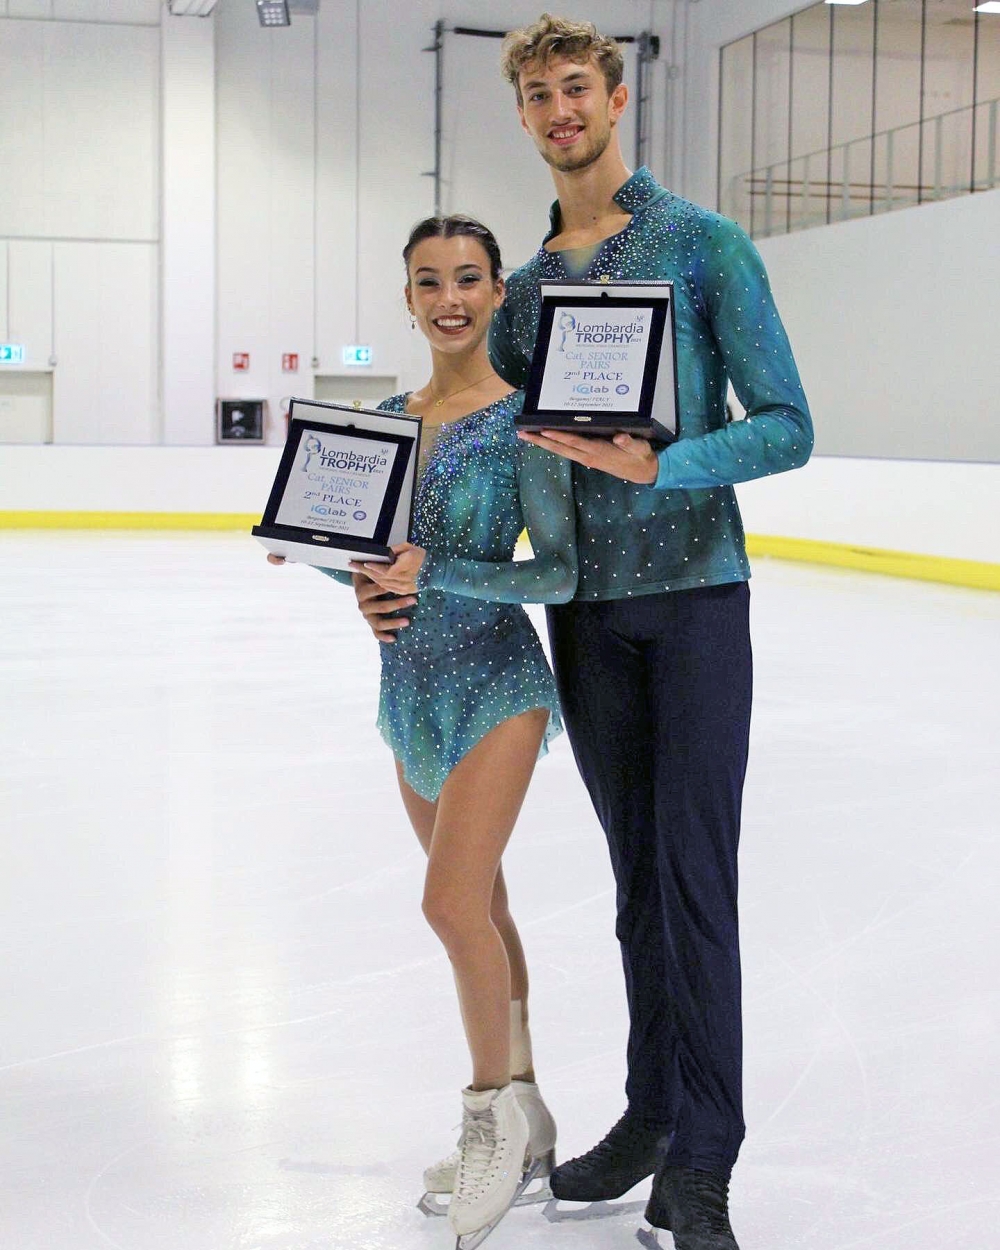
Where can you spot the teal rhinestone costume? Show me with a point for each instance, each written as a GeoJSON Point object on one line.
{"type": "Point", "coordinates": [686, 530]}
{"type": "Point", "coordinates": [470, 658]}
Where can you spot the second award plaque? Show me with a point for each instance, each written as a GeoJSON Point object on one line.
{"type": "Point", "coordinates": [344, 487]}
{"type": "Point", "coordinates": [604, 360]}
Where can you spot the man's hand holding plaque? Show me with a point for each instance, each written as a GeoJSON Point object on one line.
{"type": "Point", "coordinates": [399, 577]}
{"type": "Point", "coordinates": [624, 456]}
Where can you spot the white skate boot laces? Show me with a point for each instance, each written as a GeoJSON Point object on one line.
{"type": "Point", "coordinates": [478, 1155]}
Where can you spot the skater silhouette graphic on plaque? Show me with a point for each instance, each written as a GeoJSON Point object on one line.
{"type": "Point", "coordinates": [566, 323]}
{"type": "Point", "coordinates": [313, 448]}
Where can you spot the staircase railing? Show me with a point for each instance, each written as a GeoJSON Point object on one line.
{"type": "Point", "coordinates": [954, 153]}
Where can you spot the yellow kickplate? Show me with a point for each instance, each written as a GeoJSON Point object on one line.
{"type": "Point", "coordinates": [128, 520]}
{"type": "Point", "coordinates": [975, 573]}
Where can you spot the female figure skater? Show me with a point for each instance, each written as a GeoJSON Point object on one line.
{"type": "Point", "coordinates": [467, 698]}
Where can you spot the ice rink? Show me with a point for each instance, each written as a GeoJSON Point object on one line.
{"type": "Point", "coordinates": [227, 1027]}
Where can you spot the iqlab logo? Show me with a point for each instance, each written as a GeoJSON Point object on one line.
{"type": "Point", "coordinates": [338, 507]}
{"type": "Point", "coordinates": [588, 388]}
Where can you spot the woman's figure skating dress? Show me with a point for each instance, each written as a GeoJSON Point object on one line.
{"type": "Point", "coordinates": [470, 658]}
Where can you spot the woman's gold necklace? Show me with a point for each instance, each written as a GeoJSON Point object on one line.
{"type": "Point", "coordinates": [460, 391]}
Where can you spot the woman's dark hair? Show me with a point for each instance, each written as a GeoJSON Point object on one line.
{"type": "Point", "coordinates": [449, 228]}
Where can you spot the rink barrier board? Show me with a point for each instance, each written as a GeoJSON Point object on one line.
{"type": "Point", "coordinates": [977, 574]}
{"type": "Point", "coordinates": [128, 520]}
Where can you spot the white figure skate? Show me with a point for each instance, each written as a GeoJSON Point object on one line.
{"type": "Point", "coordinates": [439, 1178]}
{"type": "Point", "coordinates": [493, 1166]}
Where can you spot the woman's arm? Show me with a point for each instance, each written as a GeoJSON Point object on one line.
{"type": "Point", "coordinates": [545, 490]}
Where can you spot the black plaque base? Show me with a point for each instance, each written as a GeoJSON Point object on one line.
{"type": "Point", "coordinates": [325, 551]}
{"type": "Point", "coordinates": [595, 423]}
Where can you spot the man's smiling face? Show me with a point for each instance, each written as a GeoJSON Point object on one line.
{"type": "Point", "coordinates": [567, 111]}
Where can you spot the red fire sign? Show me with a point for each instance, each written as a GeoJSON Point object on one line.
{"type": "Point", "coordinates": [290, 362]}
{"type": "Point", "coordinates": [241, 361]}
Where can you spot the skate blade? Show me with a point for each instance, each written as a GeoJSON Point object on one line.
{"type": "Point", "coordinates": [649, 1238]}
{"type": "Point", "coordinates": [469, 1241]}
{"type": "Point", "coordinates": [433, 1204]}
{"type": "Point", "coordinates": [556, 1214]}
{"type": "Point", "coordinates": [534, 1197]}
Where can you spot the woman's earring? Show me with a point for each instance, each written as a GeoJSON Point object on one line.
{"type": "Point", "coordinates": [413, 322]}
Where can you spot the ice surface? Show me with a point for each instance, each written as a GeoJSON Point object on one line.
{"type": "Point", "coordinates": [227, 1027]}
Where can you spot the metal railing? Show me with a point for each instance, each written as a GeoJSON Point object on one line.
{"type": "Point", "coordinates": [955, 153]}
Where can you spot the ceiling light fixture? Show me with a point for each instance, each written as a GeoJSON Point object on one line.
{"type": "Point", "coordinates": [273, 13]}
{"type": "Point", "coordinates": [988, 6]}
{"type": "Point", "coordinates": [847, 1]}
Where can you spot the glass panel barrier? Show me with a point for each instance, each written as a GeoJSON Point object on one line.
{"type": "Point", "coordinates": [896, 166]}
{"type": "Point", "coordinates": [853, 67]}
{"type": "Point", "coordinates": [851, 180]}
{"type": "Point", "coordinates": [736, 129]}
{"type": "Point", "coordinates": [858, 109]}
{"type": "Point", "coordinates": [810, 134]}
{"type": "Point", "coordinates": [986, 171]}
{"type": "Point", "coordinates": [948, 99]}
{"type": "Point", "coordinates": [987, 167]}
{"type": "Point", "coordinates": [772, 118]}
{"type": "Point", "coordinates": [808, 191]}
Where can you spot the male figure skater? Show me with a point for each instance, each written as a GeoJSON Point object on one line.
{"type": "Point", "coordinates": [653, 656]}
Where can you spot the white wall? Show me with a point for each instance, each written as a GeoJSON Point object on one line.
{"type": "Point", "coordinates": [105, 332]}
{"type": "Point", "coordinates": [325, 136]}
{"type": "Point", "coordinates": [233, 479]}
{"type": "Point", "coordinates": [187, 251]}
{"type": "Point", "coordinates": [79, 208]}
{"type": "Point", "coordinates": [26, 282]}
{"type": "Point", "coordinates": [893, 322]}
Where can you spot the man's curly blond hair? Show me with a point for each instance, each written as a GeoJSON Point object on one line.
{"type": "Point", "coordinates": [558, 36]}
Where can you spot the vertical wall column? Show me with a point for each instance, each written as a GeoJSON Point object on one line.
{"type": "Point", "coordinates": [188, 247]}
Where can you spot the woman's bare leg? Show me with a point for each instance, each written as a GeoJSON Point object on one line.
{"type": "Point", "coordinates": [504, 924]}
{"type": "Point", "coordinates": [422, 814]}
{"type": "Point", "coordinates": [476, 811]}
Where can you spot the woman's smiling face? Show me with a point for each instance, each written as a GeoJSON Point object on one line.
{"type": "Point", "coordinates": [451, 293]}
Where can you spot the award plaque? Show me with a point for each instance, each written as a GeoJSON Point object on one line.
{"type": "Point", "coordinates": [604, 360]}
{"type": "Point", "coordinates": [344, 487]}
